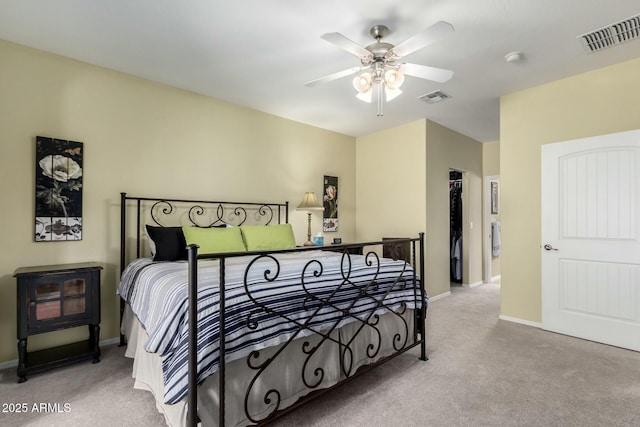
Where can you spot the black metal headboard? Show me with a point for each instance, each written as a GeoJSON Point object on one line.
{"type": "Point", "coordinates": [166, 212]}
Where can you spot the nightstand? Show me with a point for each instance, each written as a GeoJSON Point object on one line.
{"type": "Point", "coordinates": [397, 251]}
{"type": "Point", "coordinates": [339, 248]}
{"type": "Point", "coordinates": [52, 298]}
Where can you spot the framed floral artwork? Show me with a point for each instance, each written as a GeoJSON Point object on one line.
{"type": "Point", "coordinates": [330, 202]}
{"type": "Point", "coordinates": [494, 198]}
{"type": "Point", "coordinates": [59, 170]}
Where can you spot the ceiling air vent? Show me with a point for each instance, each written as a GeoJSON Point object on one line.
{"type": "Point", "coordinates": [611, 35]}
{"type": "Point", "coordinates": [433, 97]}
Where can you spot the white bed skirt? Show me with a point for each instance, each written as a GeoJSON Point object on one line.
{"type": "Point", "coordinates": [284, 374]}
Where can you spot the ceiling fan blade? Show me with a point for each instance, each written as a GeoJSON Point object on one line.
{"type": "Point", "coordinates": [439, 75]}
{"type": "Point", "coordinates": [334, 76]}
{"type": "Point", "coordinates": [347, 44]}
{"type": "Point", "coordinates": [422, 39]}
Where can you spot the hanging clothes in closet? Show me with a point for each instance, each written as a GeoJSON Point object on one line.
{"type": "Point", "coordinates": [455, 198]}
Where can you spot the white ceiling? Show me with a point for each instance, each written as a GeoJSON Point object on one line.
{"type": "Point", "coordinates": [260, 53]}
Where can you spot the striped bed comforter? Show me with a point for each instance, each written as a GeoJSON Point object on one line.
{"type": "Point", "coordinates": [311, 288]}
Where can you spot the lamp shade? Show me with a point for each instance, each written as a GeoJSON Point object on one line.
{"type": "Point", "coordinates": [362, 83]}
{"type": "Point", "coordinates": [393, 78]}
{"type": "Point", "coordinates": [365, 96]}
{"type": "Point", "coordinates": [310, 203]}
{"type": "Point", "coordinates": [391, 93]}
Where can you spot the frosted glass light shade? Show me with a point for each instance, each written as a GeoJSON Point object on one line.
{"type": "Point", "coordinates": [391, 93]}
{"type": "Point", "coordinates": [365, 96]}
{"type": "Point", "coordinates": [393, 79]}
{"type": "Point", "coordinates": [362, 82]}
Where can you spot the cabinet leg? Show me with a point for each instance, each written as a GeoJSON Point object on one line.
{"type": "Point", "coordinates": [94, 339]}
{"type": "Point", "coordinates": [22, 360]}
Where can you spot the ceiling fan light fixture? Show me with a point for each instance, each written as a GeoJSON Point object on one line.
{"type": "Point", "coordinates": [365, 96]}
{"type": "Point", "coordinates": [385, 74]}
{"type": "Point", "coordinates": [362, 82]}
{"type": "Point", "coordinates": [390, 93]}
{"type": "Point", "coordinates": [389, 81]}
{"type": "Point", "coordinates": [393, 79]}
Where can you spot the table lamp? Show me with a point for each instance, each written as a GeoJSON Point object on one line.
{"type": "Point", "coordinates": [309, 203]}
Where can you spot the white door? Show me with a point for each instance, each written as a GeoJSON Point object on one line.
{"type": "Point", "coordinates": [590, 243]}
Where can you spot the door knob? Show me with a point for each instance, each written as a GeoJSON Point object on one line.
{"type": "Point", "coordinates": [548, 247]}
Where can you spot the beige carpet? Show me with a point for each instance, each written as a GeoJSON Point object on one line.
{"type": "Point", "coordinates": [488, 372]}
{"type": "Point", "coordinates": [97, 395]}
{"type": "Point", "coordinates": [482, 372]}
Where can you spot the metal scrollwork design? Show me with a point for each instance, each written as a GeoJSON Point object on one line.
{"type": "Point", "coordinates": [265, 212]}
{"type": "Point", "coordinates": [254, 355]}
{"type": "Point", "coordinates": [316, 273]}
{"type": "Point", "coordinates": [163, 207]}
{"type": "Point", "coordinates": [346, 360]}
{"type": "Point", "coordinates": [267, 399]}
{"type": "Point", "coordinates": [345, 265]}
{"type": "Point", "coordinates": [341, 303]}
{"type": "Point", "coordinates": [318, 372]}
{"type": "Point", "coordinates": [196, 210]}
{"type": "Point", "coordinates": [240, 215]}
{"type": "Point", "coordinates": [272, 398]}
{"type": "Point", "coordinates": [251, 322]}
{"type": "Point", "coordinates": [308, 302]}
{"type": "Point", "coordinates": [369, 259]}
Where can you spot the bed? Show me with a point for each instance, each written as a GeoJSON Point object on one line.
{"type": "Point", "coordinates": [230, 324]}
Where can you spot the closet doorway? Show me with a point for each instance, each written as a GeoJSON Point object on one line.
{"type": "Point", "coordinates": [455, 226]}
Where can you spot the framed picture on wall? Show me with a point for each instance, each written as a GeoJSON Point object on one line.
{"type": "Point", "coordinates": [58, 193]}
{"type": "Point", "coordinates": [494, 198]}
{"type": "Point", "coordinates": [330, 203]}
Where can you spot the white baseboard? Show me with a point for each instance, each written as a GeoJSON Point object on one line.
{"type": "Point", "coordinates": [521, 321]}
{"type": "Point", "coordinates": [495, 278]}
{"type": "Point", "coordinates": [472, 285]}
{"type": "Point", "coordinates": [110, 341]}
{"type": "Point", "coordinates": [103, 343]}
{"type": "Point", "coordinates": [439, 296]}
{"type": "Point", "coordinates": [8, 364]}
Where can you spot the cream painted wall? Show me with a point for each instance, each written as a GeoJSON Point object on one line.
{"type": "Point", "coordinates": [148, 140]}
{"type": "Point", "coordinates": [595, 103]}
{"type": "Point", "coordinates": [491, 167]}
{"type": "Point", "coordinates": [390, 183]}
{"type": "Point", "coordinates": [403, 188]}
{"type": "Point", "coordinates": [446, 150]}
{"type": "Point", "coordinates": [491, 158]}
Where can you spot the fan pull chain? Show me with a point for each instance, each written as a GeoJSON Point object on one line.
{"type": "Point", "coordinates": [380, 100]}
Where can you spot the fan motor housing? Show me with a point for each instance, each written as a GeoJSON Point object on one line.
{"type": "Point", "coordinates": [380, 49]}
{"type": "Point", "coordinates": [379, 31]}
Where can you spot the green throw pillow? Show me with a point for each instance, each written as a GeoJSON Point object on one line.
{"type": "Point", "coordinates": [215, 240]}
{"type": "Point", "coordinates": [268, 237]}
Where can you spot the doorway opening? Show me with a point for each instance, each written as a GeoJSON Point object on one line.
{"type": "Point", "coordinates": [455, 226]}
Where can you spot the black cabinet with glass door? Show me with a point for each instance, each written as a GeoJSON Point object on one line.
{"type": "Point", "coordinates": [55, 297]}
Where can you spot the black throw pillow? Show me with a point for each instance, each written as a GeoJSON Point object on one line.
{"type": "Point", "coordinates": [170, 243]}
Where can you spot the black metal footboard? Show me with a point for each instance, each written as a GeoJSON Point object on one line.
{"type": "Point", "coordinates": [349, 300]}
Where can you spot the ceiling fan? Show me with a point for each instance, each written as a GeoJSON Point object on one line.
{"type": "Point", "coordinates": [381, 70]}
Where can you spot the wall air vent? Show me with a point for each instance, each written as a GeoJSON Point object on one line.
{"type": "Point", "coordinates": [611, 35]}
{"type": "Point", "coordinates": [433, 97]}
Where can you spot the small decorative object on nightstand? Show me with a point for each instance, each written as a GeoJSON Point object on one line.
{"type": "Point", "coordinates": [55, 297]}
